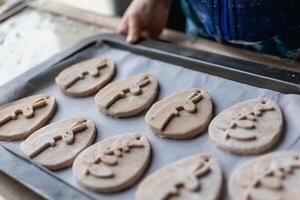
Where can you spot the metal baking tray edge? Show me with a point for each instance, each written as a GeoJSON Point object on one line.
{"type": "Point", "coordinates": [254, 74]}
{"type": "Point", "coordinates": [48, 185]}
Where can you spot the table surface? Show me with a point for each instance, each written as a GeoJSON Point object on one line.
{"type": "Point", "coordinates": [33, 36]}
{"type": "Point", "coordinates": [9, 186]}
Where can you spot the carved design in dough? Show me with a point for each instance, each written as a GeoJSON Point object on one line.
{"type": "Point", "coordinates": [92, 70]}
{"type": "Point", "coordinates": [50, 140]}
{"type": "Point", "coordinates": [27, 110]}
{"type": "Point", "coordinates": [171, 109]}
{"type": "Point", "coordinates": [99, 165]}
{"type": "Point", "coordinates": [246, 120]}
{"type": "Point", "coordinates": [119, 93]}
{"type": "Point", "coordinates": [187, 178]}
{"type": "Point", "coordinates": [270, 178]}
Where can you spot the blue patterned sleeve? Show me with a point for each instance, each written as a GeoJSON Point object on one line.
{"type": "Point", "coordinates": [255, 21]}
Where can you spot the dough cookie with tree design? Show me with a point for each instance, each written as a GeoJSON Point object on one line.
{"type": "Point", "coordinates": [113, 164]}
{"type": "Point", "coordinates": [249, 127]}
{"type": "Point", "coordinates": [195, 177]}
{"type": "Point", "coordinates": [275, 176]}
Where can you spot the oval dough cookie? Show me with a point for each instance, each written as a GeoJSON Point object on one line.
{"type": "Point", "coordinates": [113, 164]}
{"type": "Point", "coordinates": [182, 115]}
{"type": "Point", "coordinates": [249, 127]}
{"type": "Point", "coordinates": [195, 177]}
{"type": "Point", "coordinates": [21, 118]}
{"type": "Point", "coordinates": [128, 97]}
{"type": "Point", "coordinates": [56, 145]}
{"type": "Point", "coordinates": [86, 78]}
{"type": "Point", "coordinates": [275, 176]}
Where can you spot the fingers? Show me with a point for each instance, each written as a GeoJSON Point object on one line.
{"type": "Point", "coordinates": [134, 32]}
{"type": "Point", "coordinates": [134, 29]}
{"type": "Point", "coordinates": [131, 27]}
{"type": "Point", "coordinates": [150, 34]}
{"type": "Point", "coordinates": [146, 34]}
{"type": "Point", "coordinates": [123, 27]}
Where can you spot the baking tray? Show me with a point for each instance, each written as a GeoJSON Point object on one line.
{"type": "Point", "coordinates": [178, 68]}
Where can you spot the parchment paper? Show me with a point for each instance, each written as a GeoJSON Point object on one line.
{"type": "Point", "coordinates": [171, 78]}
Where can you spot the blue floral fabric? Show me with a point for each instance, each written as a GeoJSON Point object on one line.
{"type": "Point", "coordinates": [269, 26]}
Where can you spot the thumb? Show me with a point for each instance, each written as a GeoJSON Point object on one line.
{"type": "Point", "coordinates": [134, 29]}
{"type": "Point", "coordinates": [123, 27]}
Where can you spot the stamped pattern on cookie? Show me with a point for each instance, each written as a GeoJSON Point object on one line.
{"type": "Point", "coordinates": [195, 177]}
{"type": "Point", "coordinates": [21, 118]}
{"type": "Point", "coordinates": [92, 70]}
{"type": "Point", "coordinates": [25, 109]}
{"type": "Point", "coordinates": [271, 178]}
{"type": "Point", "coordinates": [113, 164]}
{"type": "Point", "coordinates": [165, 114]}
{"type": "Point", "coordinates": [110, 157]}
{"type": "Point", "coordinates": [50, 140]}
{"type": "Point", "coordinates": [128, 97]}
{"type": "Point", "coordinates": [187, 178]}
{"type": "Point", "coordinates": [118, 93]}
{"type": "Point", "coordinates": [246, 120]}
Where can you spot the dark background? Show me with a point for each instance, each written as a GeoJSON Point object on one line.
{"type": "Point", "coordinates": [176, 18]}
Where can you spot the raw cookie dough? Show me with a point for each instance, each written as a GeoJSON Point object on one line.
{"type": "Point", "coordinates": [21, 118]}
{"type": "Point", "coordinates": [193, 178]}
{"type": "Point", "coordinates": [249, 127]}
{"type": "Point", "coordinates": [275, 176]}
{"type": "Point", "coordinates": [86, 78]}
{"type": "Point", "coordinates": [126, 98]}
{"type": "Point", "coordinates": [56, 145]}
{"type": "Point", "coordinates": [182, 115]}
{"type": "Point", "coordinates": [113, 164]}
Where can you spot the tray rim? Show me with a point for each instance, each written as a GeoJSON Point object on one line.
{"type": "Point", "coordinates": [153, 47]}
{"type": "Point", "coordinates": [214, 62]}
{"type": "Point", "coordinates": [8, 169]}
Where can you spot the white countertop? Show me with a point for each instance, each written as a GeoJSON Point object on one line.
{"type": "Point", "coordinates": [31, 37]}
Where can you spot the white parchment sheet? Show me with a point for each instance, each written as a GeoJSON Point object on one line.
{"type": "Point", "coordinates": [171, 78]}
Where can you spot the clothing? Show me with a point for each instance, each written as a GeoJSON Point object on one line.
{"type": "Point", "coordinates": [270, 26]}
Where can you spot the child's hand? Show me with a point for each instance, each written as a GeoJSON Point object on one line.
{"type": "Point", "coordinates": [144, 18]}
